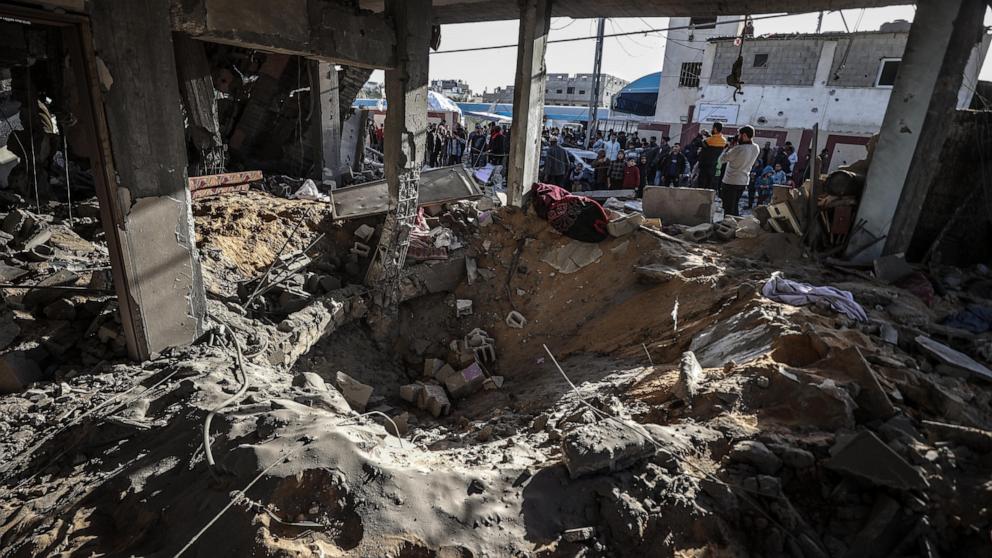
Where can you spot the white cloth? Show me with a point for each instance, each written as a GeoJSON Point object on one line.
{"type": "Point", "coordinates": [800, 294]}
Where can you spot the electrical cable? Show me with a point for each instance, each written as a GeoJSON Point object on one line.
{"type": "Point", "coordinates": [238, 395]}
{"type": "Point", "coordinates": [593, 37]}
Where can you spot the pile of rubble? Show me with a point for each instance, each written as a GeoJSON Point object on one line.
{"type": "Point", "coordinates": [59, 312]}
{"type": "Point", "coordinates": [539, 396]}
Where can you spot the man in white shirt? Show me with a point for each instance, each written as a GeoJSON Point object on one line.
{"type": "Point", "coordinates": [739, 159]}
{"type": "Point", "coordinates": [612, 148]}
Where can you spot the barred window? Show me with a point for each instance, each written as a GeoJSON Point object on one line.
{"type": "Point", "coordinates": [689, 77]}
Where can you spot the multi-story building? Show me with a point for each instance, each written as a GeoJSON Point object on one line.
{"type": "Point", "coordinates": [454, 89]}
{"type": "Point", "coordinates": [566, 90]}
{"type": "Point", "coordinates": [372, 90]}
{"type": "Point", "coordinates": [840, 82]}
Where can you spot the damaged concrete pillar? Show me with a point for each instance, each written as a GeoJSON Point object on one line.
{"type": "Point", "coordinates": [152, 245]}
{"type": "Point", "coordinates": [528, 99]}
{"type": "Point", "coordinates": [941, 41]}
{"type": "Point", "coordinates": [330, 118]}
{"type": "Point", "coordinates": [196, 85]}
{"type": "Point", "coordinates": [405, 138]}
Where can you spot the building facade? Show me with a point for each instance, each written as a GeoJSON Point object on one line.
{"type": "Point", "coordinates": [567, 90]}
{"type": "Point", "coordinates": [454, 89]}
{"type": "Point", "coordinates": [840, 82]}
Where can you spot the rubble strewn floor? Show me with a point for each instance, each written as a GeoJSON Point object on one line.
{"type": "Point", "coordinates": [787, 431]}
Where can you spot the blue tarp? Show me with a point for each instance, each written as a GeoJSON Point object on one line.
{"type": "Point", "coordinates": [551, 112]}
{"type": "Point", "coordinates": [639, 97]}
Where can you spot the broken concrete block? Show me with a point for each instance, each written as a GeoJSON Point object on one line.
{"type": "Point", "coordinates": [38, 297]}
{"type": "Point", "coordinates": [866, 457]}
{"type": "Point", "coordinates": [17, 371]}
{"type": "Point", "coordinates": [411, 392]}
{"type": "Point", "coordinates": [699, 233]}
{"type": "Point", "coordinates": [471, 270]}
{"type": "Point", "coordinates": [433, 400]}
{"type": "Point", "coordinates": [605, 446]}
{"type": "Point", "coordinates": [465, 382]}
{"type": "Point", "coordinates": [463, 308]}
{"type": "Point", "coordinates": [763, 485]}
{"type": "Point", "coordinates": [355, 393]}
{"type": "Point", "coordinates": [690, 377]}
{"type": "Point", "coordinates": [756, 454]}
{"type": "Point", "coordinates": [309, 381]}
{"type": "Point", "coordinates": [14, 221]}
{"type": "Point", "coordinates": [516, 320]}
{"type": "Point", "coordinates": [431, 366]}
{"type": "Point", "coordinates": [871, 397]}
{"type": "Point", "coordinates": [748, 227]}
{"type": "Point", "coordinates": [573, 256]}
{"type": "Point", "coordinates": [493, 383]}
{"type": "Point", "coordinates": [725, 230]}
{"type": "Point", "coordinates": [441, 374]}
{"type": "Point", "coordinates": [37, 240]}
{"type": "Point", "coordinates": [976, 439]}
{"type": "Point", "coordinates": [364, 233]}
{"type": "Point", "coordinates": [684, 206]}
{"type": "Point", "coordinates": [798, 458]}
{"type": "Point", "coordinates": [625, 225]}
{"type": "Point", "coordinates": [361, 249]}
{"type": "Point", "coordinates": [8, 330]}
{"type": "Point", "coordinates": [579, 535]}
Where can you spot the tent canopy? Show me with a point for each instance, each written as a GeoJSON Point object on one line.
{"type": "Point", "coordinates": [639, 97]}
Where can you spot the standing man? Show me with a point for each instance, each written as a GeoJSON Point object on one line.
{"type": "Point", "coordinates": [710, 153]}
{"type": "Point", "coordinates": [618, 167]}
{"type": "Point", "coordinates": [739, 160]}
{"type": "Point", "coordinates": [555, 163]}
{"type": "Point", "coordinates": [612, 147]}
{"type": "Point", "coordinates": [673, 166]}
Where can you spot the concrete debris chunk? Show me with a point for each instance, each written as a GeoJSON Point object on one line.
{"type": "Point", "coordinates": [310, 381]}
{"type": "Point", "coordinates": [431, 366]}
{"type": "Point", "coordinates": [866, 457]}
{"type": "Point", "coordinates": [516, 320]}
{"type": "Point", "coordinates": [38, 297]}
{"type": "Point", "coordinates": [411, 392]}
{"type": "Point", "coordinates": [364, 233]}
{"type": "Point", "coordinates": [726, 229]}
{"type": "Point", "coordinates": [579, 535]}
{"type": "Point", "coordinates": [685, 206]}
{"type": "Point", "coordinates": [355, 393]}
{"type": "Point", "coordinates": [465, 382]}
{"type": "Point", "coordinates": [975, 439]}
{"type": "Point", "coordinates": [756, 454]}
{"type": "Point", "coordinates": [605, 446]}
{"type": "Point", "coordinates": [433, 400]}
{"type": "Point", "coordinates": [573, 256]}
{"type": "Point", "coordinates": [17, 371]}
{"type": "Point", "coordinates": [463, 307]}
{"type": "Point", "coordinates": [361, 249]}
{"type": "Point", "coordinates": [625, 224]}
{"type": "Point", "coordinates": [891, 268]}
{"type": "Point", "coordinates": [953, 358]}
{"type": "Point", "coordinates": [699, 233]}
{"type": "Point", "coordinates": [690, 377]}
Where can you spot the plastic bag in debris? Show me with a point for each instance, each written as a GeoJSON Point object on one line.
{"type": "Point", "coordinates": [309, 191]}
{"type": "Point", "coordinates": [614, 203]}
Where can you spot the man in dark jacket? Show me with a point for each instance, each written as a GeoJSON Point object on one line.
{"type": "Point", "coordinates": [673, 166]}
{"type": "Point", "coordinates": [556, 163]}
{"type": "Point", "coordinates": [711, 150]}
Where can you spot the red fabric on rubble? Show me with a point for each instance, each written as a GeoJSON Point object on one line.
{"type": "Point", "coordinates": [574, 216]}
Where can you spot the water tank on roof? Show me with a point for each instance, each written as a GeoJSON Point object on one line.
{"type": "Point", "coordinates": [897, 26]}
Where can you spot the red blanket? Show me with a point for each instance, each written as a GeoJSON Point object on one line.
{"type": "Point", "coordinates": [574, 216]}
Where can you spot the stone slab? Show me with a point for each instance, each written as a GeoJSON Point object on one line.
{"type": "Point", "coordinates": [605, 446]}
{"type": "Point", "coordinates": [868, 458]}
{"type": "Point", "coordinates": [683, 206]}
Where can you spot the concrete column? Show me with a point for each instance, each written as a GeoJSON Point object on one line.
{"type": "Point", "coordinates": [528, 99]}
{"type": "Point", "coordinates": [157, 271]}
{"type": "Point", "coordinates": [330, 118]}
{"type": "Point", "coordinates": [406, 92]}
{"type": "Point", "coordinates": [196, 86]}
{"type": "Point", "coordinates": [405, 140]}
{"type": "Point", "coordinates": [915, 125]}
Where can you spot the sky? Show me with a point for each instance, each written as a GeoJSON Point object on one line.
{"type": "Point", "coordinates": [625, 57]}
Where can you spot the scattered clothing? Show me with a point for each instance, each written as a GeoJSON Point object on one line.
{"type": "Point", "coordinates": [794, 293]}
{"type": "Point", "coordinates": [574, 216]}
{"type": "Point", "coordinates": [974, 318]}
